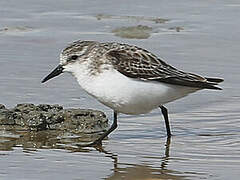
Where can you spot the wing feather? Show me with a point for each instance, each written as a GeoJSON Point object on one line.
{"type": "Point", "coordinates": [138, 63]}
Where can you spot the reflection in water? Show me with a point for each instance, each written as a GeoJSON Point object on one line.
{"type": "Point", "coordinates": [32, 141]}
{"type": "Point", "coordinates": [166, 157]}
{"type": "Point", "coordinates": [49, 139]}
{"type": "Point", "coordinates": [143, 171]}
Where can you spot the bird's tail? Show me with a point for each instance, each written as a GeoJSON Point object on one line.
{"type": "Point", "coordinates": [211, 82]}
{"type": "Point", "coordinates": [214, 80]}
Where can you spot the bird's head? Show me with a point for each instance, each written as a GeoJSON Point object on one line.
{"type": "Point", "coordinates": [71, 57]}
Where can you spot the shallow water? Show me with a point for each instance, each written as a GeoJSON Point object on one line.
{"type": "Point", "coordinates": [205, 125]}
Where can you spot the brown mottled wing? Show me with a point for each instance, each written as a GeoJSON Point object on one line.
{"type": "Point", "coordinates": [143, 65]}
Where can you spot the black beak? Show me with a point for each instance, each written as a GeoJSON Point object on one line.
{"type": "Point", "coordinates": [58, 70]}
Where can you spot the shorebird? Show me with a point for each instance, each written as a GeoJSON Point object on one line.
{"type": "Point", "coordinates": [127, 78]}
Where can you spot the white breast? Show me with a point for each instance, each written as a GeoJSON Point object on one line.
{"type": "Point", "coordinates": [127, 95]}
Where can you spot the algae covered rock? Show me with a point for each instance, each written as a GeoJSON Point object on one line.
{"type": "Point", "coordinates": [45, 116]}
{"type": "Point", "coordinates": [49, 126]}
{"type": "Point", "coordinates": [133, 32]}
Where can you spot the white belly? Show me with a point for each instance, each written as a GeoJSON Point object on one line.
{"type": "Point", "coordinates": [130, 96]}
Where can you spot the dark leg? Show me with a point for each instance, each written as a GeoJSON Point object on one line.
{"type": "Point", "coordinates": [165, 115]}
{"type": "Point", "coordinates": [105, 134]}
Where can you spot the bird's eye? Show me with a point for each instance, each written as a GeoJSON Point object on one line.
{"type": "Point", "coordinates": [73, 57]}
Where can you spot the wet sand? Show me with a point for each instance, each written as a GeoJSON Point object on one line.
{"type": "Point", "coordinates": [201, 37]}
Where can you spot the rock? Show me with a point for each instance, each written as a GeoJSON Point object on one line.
{"type": "Point", "coordinates": [133, 32]}
{"type": "Point", "coordinates": [45, 116]}
{"type": "Point", "coordinates": [80, 120]}
{"type": "Point", "coordinates": [7, 117]}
